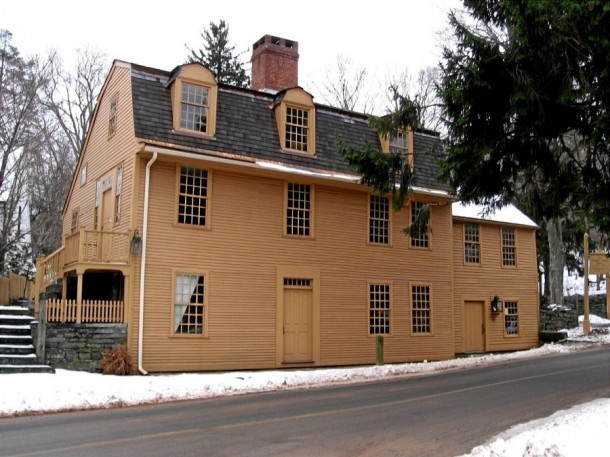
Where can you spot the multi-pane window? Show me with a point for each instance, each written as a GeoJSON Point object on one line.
{"type": "Point", "coordinates": [509, 247]}
{"type": "Point", "coordinates": [194, 107]}
{"type": "Point", "coordinates": [472, 244]}
{"type": "Point", "coordinates": [298, 210]}
{"type": "Point", "coordinates": [112, 115]}
{"type": "Point", "coordinates": [420, 216]}
{"type": "Point", "coordinates": [379, 219]}
{"type": "Point", "coordinates": [189, 304]}
{"type": "Point", "coordinates": [83, 175]}
{"type": "Point", "coordinates": [511, 318]}
{"type": "Point", "coordinates": [399, 142]}
{"type": "Point", "coordinates": [74, 222]}
{"type": "Point", "coordinates": [297, 129]}
{"type": "Point", "coordinates": [193, 196]}
{"type": "Point", "coordinates": [421, 309]}
{"type": "Point", "coordinates": [380, 308]}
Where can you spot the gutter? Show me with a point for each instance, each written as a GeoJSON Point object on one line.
{"type": "Point", "coordinates": [258, 164]}
{"type": "Point", "coordinates": [143, 263]}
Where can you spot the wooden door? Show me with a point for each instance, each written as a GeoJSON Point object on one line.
{"type": "Point", "coordinates": [298, 307]}
{"type": "Point", "coordinates": [474, 326]}
{"type": "Point", "coordinates": [107, 216]}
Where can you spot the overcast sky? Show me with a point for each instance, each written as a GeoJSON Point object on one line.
{"type": "Point", "coordinates": [386, 37]}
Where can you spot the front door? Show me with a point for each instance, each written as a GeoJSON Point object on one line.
{"type": "Point", "coordinates": [474, 326]}
{"type": "Point", "coordinates": [298, 312]}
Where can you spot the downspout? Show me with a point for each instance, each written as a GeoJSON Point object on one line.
{"type": "Point", "coordinates": [143, 263]}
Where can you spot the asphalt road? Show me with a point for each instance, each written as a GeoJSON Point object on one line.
{"type": "Point", "coordinates": [444, 414]}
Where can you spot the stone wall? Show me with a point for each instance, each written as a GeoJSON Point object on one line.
{"type": "Point", "coordinates": [80, 346]}
{"type": "Point", "coordinates": [554, 318]}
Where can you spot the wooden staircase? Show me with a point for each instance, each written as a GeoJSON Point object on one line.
{"type": "Point", "coordinates": [17, 352]}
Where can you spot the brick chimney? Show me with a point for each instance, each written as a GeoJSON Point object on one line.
{"type": "Point", "coordinates": [275, 63]}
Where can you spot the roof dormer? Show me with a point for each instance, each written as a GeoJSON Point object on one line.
{"type": "Point", "coordinates": [399, 142]}
{"type": "Point", "coordinates": [295, 115]}
{"type": "Point", "coordinates": [194, 93]}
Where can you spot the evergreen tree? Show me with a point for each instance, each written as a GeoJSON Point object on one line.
{"type": "Point", "coordinates": [524, 80]}
{"type": "Point", "coordinates": [526, 89]}
{"type": "Point", "coordinates": [218, 56]}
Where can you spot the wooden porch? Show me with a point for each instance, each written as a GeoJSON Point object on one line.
{"type": "Point", "coordinates": [84, 250]}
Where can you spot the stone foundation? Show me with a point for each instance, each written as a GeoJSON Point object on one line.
{"type": "Point", "coordinates": [80, 346]}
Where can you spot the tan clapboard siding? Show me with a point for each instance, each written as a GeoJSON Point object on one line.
{"type": "Point", "coordinates": [241, 252]}
{"type": "Point", "coordinates": [482, 282]}
{"type": "Point", "coordinates": [102, 154]}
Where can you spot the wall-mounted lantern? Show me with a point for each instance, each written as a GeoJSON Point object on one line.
{"type": "Point", "coordinates": [497, 305]}
{"type": "Point", "coordinates": [136, 243]}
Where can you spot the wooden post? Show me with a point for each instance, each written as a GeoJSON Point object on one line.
{"type": "Point", "coordinates": [39, 285]}
{"type": "Point", "coordinates": [586, 325]}
{"type": "Point", "coordinates": [379, 350]}
{"type": "Point", "coordinates": [79, 297]}
{"type": "Point", "coordinates": [81, 244]}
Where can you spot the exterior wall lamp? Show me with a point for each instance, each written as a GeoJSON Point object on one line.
{"type": "Point", "coordinates": [136, 243]}
{"type": "Point", "coordinates": [497, 305]}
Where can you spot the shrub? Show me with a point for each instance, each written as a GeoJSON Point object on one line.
{"type": "Point", "coordinates": [117, 361]}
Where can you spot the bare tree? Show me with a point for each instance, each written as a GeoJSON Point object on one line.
{"type": "Point", "coordinates": [345, 87]}
{"type": "Point", "coordinates": [71, 95]}
{"type": "Point", "coordinates": [21, 80]}
{"type": "Point", "coordinates": [421, 91]}
{"type": "Point", "coordinates": [69, 101]}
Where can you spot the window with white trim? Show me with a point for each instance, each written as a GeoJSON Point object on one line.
{"type": "Point", "coordinates": [511, 318]}
{"type": "Point", "coordinates": [298, 209]}
{"type": "Point", "coordinates": [421, 309]}
{"type": "Point", "coordinates": [472, 243]}
{"type": "Point", "coordinates": [380, 309]}
{"type": "Point", "coordinates": [509, 247]}
{"type": "Point", "coordinates": [379, 219]}
{"type": "Point", "coordinates": [190, 304]}
{"type": "Point", "coordinates": [193, 196]}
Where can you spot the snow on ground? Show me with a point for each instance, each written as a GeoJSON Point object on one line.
{"type": "Point", "coordinates": [575, 285]}
{"type": "Point", "coordinates": [65, 390]}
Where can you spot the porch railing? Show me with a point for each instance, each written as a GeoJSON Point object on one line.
{"type": "Point", "coordinates": [91, 311]}
{"type": "Point", "coordinates": [51, 267]}
{"type": "Point", "coordinates": [96, 246]}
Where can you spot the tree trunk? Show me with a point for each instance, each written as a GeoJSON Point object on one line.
{"type": "Point", "coordinates": [556, 259]}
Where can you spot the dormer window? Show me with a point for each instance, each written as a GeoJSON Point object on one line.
{"type": "Point", "coordinates": [399, 142]}
{"type": "Point", "coordinates": [194, 93]}
{"type": "Point", "coordinates": [295, 116]}
{"type": "Point", "coordinates": [297, 129]}
{"type": "Point", "coordinates": [194, 107]}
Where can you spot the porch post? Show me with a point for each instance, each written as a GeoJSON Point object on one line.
{"type": "Point", "coordinates": [39, 284]}
{"type": "Point", "coordinates": [81, 244]}
{"type": "Point", "coordinates": [79, 297]}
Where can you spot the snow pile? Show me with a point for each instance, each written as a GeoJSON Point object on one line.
{"type": "Point", "coordinates": [68, 390]}
{"type": "Point", "coordinates": [574, 432]}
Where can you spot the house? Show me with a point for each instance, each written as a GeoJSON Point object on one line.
{"type": "Point", "coordinates": [225, 229]}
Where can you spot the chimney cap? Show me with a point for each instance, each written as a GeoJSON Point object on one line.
{"type": "Point", "coordinates": [276, 41]}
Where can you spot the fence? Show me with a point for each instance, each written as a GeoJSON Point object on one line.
{"type": "Point", "coordinates": [15, 287]}
{"type": "Point", "coordinates": [98, 311]}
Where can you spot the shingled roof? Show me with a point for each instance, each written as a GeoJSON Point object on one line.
{"type": "Point", "coordinates": [245, 126]}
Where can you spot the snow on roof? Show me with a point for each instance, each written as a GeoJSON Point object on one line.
{"type": "Point", "coordinates": [508, 214]}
